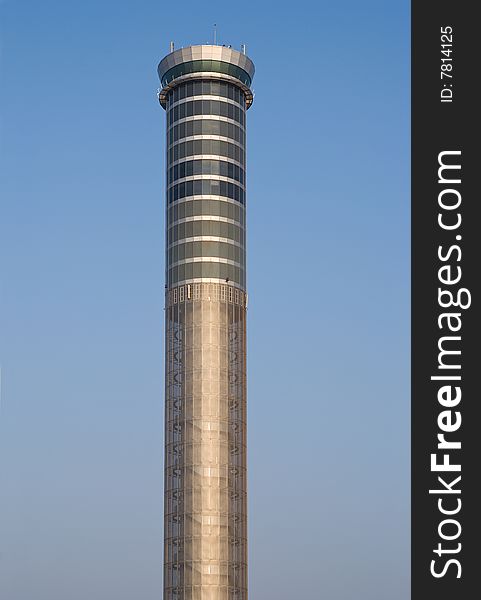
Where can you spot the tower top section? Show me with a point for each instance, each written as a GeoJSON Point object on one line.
{"type": "Point", "coordinates": [205, 62]}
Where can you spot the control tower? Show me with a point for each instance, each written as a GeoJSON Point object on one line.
{"type": "Point", "coordinates": [205, 91]}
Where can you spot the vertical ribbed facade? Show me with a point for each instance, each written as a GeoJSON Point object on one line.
{"type": "Point", "coordinates": [206, 92]}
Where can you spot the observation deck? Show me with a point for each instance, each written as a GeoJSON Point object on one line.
{"type": "Point", "coordinates": [206, 62]}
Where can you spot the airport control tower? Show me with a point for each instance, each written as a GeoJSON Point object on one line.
{"type": "Point", "coordinates": [206, 91]}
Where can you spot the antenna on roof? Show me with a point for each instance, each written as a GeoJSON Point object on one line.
{"type": "Point", "coordinates": [215, 34]}
{"type": "Point", "coordinates": [243, 48]}
{"type": "Point", "coordinates": [171, 46]}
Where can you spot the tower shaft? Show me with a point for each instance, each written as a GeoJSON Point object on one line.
{"type": "Point", "coordinates": [205, 91]}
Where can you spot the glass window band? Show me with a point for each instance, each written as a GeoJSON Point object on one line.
{"type": "Point", "coordinates": [198, 66]}
{"type": "Point", "coordinates": [205, 127]}
{"type": "Point", "coordinates": [209, 147]}
{"type": "Point", "coordinates": [206, 167]}
{"type": "Point", "coordinates": [205, 187]}
{"type": "Point", "coordinates": [218, 108]}
{"type": "Point", "coordinates": [206, 269]}
{"type": "Point", "coordinates": [190, 229]}
{"type": "Point", "coordinates": [206, 87]}
{"type": "Point", "coordinates": [200, 207]}
{"type": "Point", "coordinates": [206, 248]}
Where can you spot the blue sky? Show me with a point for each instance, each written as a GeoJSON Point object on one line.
{"type": "Point", "coordinates": [81, 325]}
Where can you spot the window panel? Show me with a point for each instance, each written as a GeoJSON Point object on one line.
{"type": "Point", "coordinates": [205, 127]}
{"type": "Point", "coordinates": [206, 107]}
{"type": "Point", "coordinates": [199, 187]}
{"type": "Point", "coordinates": [206, 228]}
{"type": "Point", "coordinates": [197, 66]}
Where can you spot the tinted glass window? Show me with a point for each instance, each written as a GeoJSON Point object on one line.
{"type": "Point", "coordinates": [215, 147]}
{"type": "Point", "coordinates": [205, 187]}
{"type": "Point", "coordinates": [206, 167]}
{"type": "Point", "coordinates": [206, 269]}
{"type": "Point", "coordinates": [205, 107]}
{"type": "Point", "coordinates": [206, 127]}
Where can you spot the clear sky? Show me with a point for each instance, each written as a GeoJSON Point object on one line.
{"type": "Point", "coordinates": [82, 234]}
